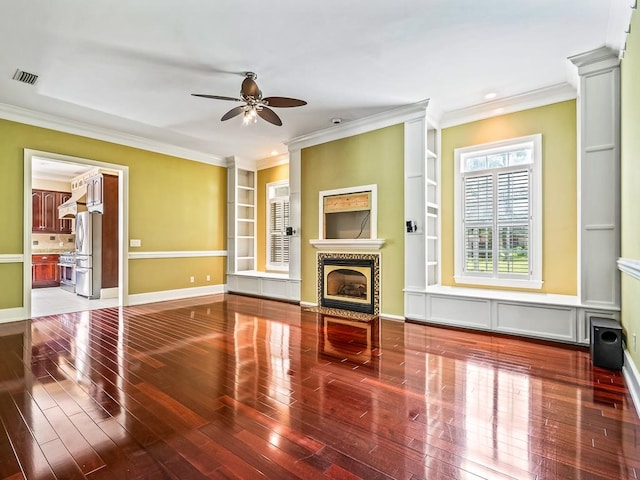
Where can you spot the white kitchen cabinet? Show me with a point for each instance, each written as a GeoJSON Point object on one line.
{"type": "Point", "coordinates": [95, 191]}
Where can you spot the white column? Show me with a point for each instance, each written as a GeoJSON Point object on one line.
{"type": "Point", "coordinates": [598, 177]}
{"type": "Point", "coordinates": [415, 246]}
{"type": "Point", "coordinates": [295, 180]}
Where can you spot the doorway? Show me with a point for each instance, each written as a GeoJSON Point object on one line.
{"type": "Point", "coordinates": [47, 169]}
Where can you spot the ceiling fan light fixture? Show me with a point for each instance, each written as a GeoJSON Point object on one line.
{"type": "Point", "coordinates": [250, 115]}
{"type": "Point", "coordinates": [254, 104]}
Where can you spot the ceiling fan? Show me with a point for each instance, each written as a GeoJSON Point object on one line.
{"type": "Point", "coordinates": [254, 104]}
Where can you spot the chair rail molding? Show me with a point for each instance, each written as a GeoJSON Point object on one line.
{"type": "Point", "coordinates": [11, 258]}
{"type": "Point", "coordinates": [630, 267]}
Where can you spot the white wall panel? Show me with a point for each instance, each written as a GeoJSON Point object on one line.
{"type": "Point", "coordinates": [536, 321]}
{"type": "Point", "coordinates": [463, 312]}
{"type": "Point", "coordinates": [415, 307]}
{"type": "Point", "coordinates": [249, 285]}
{"type": "Point", "coordinates": [600, 276]}
{"type": "Point", "coordinates": [273, 288]}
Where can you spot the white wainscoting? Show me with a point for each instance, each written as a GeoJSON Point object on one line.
{"type": "Point", "coordinates": [461, 312]}
{"type": "Point", "coordinates": [550, 322]}
{"type": "Point", "coordinates": [262, 284]}
{"type": "Point", "coordinates": [559, 318]}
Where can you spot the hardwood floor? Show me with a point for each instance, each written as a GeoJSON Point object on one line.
{"type": "Point", "coordinates": [243, 388]}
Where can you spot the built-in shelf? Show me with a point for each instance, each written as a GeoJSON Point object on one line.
{"type": "Point", "coordinates": [422, 206]}
{"type": "Point", "coordinates": [348, 244]}
{"type": "Point", "coordinates": [241, 232]}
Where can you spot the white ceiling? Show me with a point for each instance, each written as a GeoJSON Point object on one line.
{"type": "Point", "coordinates": [131, 66]}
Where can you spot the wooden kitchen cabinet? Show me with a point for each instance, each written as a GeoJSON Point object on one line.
{"type": "Point", "coordinates": [45, 212]}
{"type": "Point", "coordinates": [44, 271]}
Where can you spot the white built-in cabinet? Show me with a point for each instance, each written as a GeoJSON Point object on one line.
{"type": "Point", "coordinates": [241, 229]}
{"type": "Point", "coordinates": [242, 276]}
{"type": "Point", "coordinates": [422, 209]}
{"type": "Point", "coordinates": [564, 318]}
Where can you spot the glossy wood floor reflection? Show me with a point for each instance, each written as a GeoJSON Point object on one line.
{"type": "Point", "coordinates": [232, 387]}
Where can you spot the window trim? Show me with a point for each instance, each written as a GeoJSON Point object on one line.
{"type": "Point", "coordinates": [272, 266]}
{"type": "Point", "coordinates": [535, 234]}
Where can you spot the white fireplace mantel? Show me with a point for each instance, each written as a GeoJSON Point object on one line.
{"type": "Point", "coordinates": [348, 243]}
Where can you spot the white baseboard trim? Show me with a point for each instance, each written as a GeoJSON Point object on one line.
{"type": "Point", "coordinates": [308, 304]}
{"type": "Point", "coordinates": [388, 316]}
{"type": "Point", "coordinates": [8, 315]}
{"type": "Point", "coordinates": [165, 295]}
{"type": "Point", "coordinates": [632, 378]}
{"type": "Point", "coordinates": [109, 293]}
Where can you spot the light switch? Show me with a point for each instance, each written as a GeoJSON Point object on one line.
{"type": "Point", "coordinates": [135, 242]}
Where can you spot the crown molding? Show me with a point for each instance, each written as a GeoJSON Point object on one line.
{"type": "Point", "coordinates": [619, 25]}
{"type": "Point", "coordinates": [524, 101]}
{"type": "Point", "coordinates": [275, 161]}
{"type": "Point", "coordinates": [363, 125]}
{"type": "Point", "coordinates": [602, 58]}
{"type": "Point", "coordinates": [43, 120]}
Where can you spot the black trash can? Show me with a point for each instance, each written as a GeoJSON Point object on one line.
{"type": "Point", "coordinates": [606, 343]}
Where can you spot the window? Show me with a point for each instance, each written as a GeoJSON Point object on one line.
{"type": "Point", "coordinates": [498, 213]}
{"type": "Point", "coordinates": [277, 223]}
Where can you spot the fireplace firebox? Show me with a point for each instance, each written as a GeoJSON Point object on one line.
{"type": "Point", "coordinates": [349, 281]}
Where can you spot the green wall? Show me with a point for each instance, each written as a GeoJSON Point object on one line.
{"type": "Point", "coordinates": [557, 124]}
{"type": "Point", "coordinates": [375, 157]}
{"type": "Point", "coordinates": [174, 204]}
{"type": "Point", "coordinates": [630, 181]}
{"type": "Point", "coordinates": [265, 176]}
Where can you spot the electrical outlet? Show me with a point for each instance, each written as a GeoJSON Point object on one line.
{"type": "Point", "coordinates": [192, 279]}
{"type": "Point", "coordinates": [208, 278]}
{"type": "Point", "coordinates": [634, 342]}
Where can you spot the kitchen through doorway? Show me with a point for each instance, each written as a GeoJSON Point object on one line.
{"type": "Point", "coordinates": [53, 259]}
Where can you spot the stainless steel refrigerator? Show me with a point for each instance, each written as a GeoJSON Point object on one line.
{"type": "Point", "coordinates": [88, 254]}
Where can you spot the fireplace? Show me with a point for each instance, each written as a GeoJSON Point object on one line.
{"type": "Point", "coordinates": [349, 281]}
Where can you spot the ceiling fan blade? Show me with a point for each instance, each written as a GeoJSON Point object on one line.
{"type": "Point", "coordinates": [232, 113]}
{"type": "Point", "coordinates": [217, 97]}
{"type": "Point", "coordinates": [250, 88]}
{"type": "Point", "coordinates": [281, 102]}
{"type": "Point", "coordinates": [270, 116]}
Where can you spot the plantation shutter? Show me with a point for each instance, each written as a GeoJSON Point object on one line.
{"type": "Point", "coordinates": [513, 221]}
{"type": "Point", "coordinates": [478, 223]}
{"type": "Point", "coordinates": [279, 221]}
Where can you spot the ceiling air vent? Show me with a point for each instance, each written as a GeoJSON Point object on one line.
{"type": "Point", "coordinates": [25, 77]}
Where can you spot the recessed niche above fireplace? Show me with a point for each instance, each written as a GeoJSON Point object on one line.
{"type": "Point", "coordinates": [348, 218]}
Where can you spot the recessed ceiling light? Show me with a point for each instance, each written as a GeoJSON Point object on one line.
{"type": "Point", "coordinates": [336, 121]}
{"type": "Point", "coordinates": [274, 152]}
{"type": "Point", "coordinates": [490, 95]}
